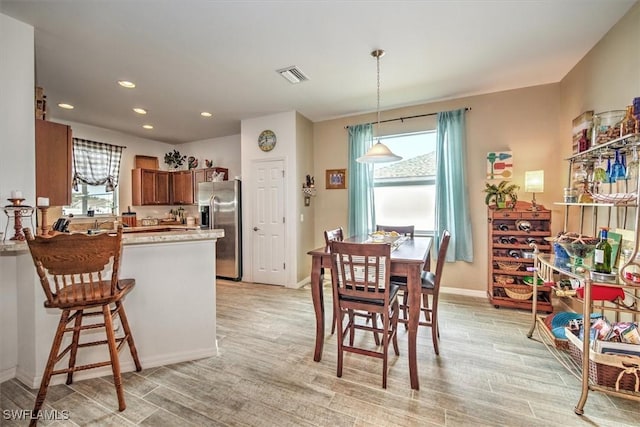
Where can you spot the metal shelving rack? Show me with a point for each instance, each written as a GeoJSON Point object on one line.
{"type": "Point", "coordinates": [548, 270]}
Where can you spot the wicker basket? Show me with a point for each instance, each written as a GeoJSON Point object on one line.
{"type": "Point", "coordinates": [614, 197]}
{"type": "Point", "coordinates": [600, 373]}
{"type": "Point", "coordinates": [519, 292]}
{"type": "Point", "coordinates": [504, 280]}
{"type": "Point", "coordinates": [509, 266]}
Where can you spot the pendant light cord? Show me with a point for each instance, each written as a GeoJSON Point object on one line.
{"type": "Point", "coordinates": [378, 54]}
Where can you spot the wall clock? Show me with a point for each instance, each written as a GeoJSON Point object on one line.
{"type": "Point", "coordinates": [267, 140]}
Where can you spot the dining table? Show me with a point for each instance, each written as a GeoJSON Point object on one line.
{"type": "Point", "coordinates": [408, 259]}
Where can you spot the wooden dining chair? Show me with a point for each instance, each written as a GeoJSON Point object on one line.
{"type": "Point", "coordinates": [337, 234]}
{"type": "Point", "coordinates": [360, 278]}
{"type": "Point", "coordinates": [403, 230]}
{"type": "Point", "coordinates": [431, 288]}
{"type": "Point", "coordinates": [408, 231]}
{"type": "Point", "coordinates": [79, 276]}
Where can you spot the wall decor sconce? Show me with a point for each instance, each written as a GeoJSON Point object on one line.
{"type": "Point", "coordinates": [309, 190]}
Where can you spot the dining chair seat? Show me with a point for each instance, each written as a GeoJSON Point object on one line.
{"type": "Point", "coordinates": [97, 293]}
{"type": "Point", "coordinates": [428, 280]}
{"type": "Point", "coordinates": [393, 293]}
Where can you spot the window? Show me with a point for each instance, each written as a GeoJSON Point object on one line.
{"type": "Point", "coordinates": [93, 197]}
{"type": "Point", "coordinates": [96, 169]}
{"type": "Point", "coordinates": [404, 191]}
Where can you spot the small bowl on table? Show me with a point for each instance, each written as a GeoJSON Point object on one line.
{"type": "Point", "coordinates": [579, 249]}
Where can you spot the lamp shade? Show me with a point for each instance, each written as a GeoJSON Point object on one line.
{"type": "Point", "coordinates": [379, 153]}
{"type": "Point", "coordinates": [534, 181]}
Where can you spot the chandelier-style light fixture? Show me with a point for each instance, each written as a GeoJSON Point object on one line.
{"type": "Point", "coordinates": [379, 153]}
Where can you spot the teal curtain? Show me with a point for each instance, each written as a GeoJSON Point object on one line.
{"type": "Point", "coordinates": [360, 182]}
{"type": "Point", "coordinates": [452, 199]}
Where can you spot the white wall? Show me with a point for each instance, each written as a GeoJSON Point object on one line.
{"type": "Point", "coordinates": [224, 152]}
{"type": "Point", "coordinates": [284, 126]}
{"type": "Point", "coordinates": [17, 167]}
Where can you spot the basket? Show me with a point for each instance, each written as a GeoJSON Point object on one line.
{"type": "Point", "coordinates": [509, 266]}
{"type": "Point", "coordinates": [605, 375]}
{"type": "Point", "coordinates": [613, 197]}
{"type": "Point", "coordinates": [504, 280]}
{"type": "Point", "coordinates": [519, 292]}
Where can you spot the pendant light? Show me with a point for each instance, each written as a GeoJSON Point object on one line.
{"type": "Point", "coordinates": [379, 153]}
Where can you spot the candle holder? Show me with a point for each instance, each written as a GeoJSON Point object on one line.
{"type": "Point", "coordinates": [17, 211]}
{"type": "Point", "coordinates": [43, 219]}
{"type": "Point", "coordinates": [16, 202]}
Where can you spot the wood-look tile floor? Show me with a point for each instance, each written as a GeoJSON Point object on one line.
{"type": "Point", "coordinates": [488, 374]}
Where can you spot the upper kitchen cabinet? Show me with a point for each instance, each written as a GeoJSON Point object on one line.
{"type": "Point", "coordinates": [181, 188]}
{"type": "Point", "coordinates": [53, 162]}
{"type": "Point", "coordinates": [204, 175]}
{"type": "Point", "coordinates": [149, 187]}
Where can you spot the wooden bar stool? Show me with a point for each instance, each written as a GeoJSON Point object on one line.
{"type": "Point", "coordinates": [80, 273]}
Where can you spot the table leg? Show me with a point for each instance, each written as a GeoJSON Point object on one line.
{"type": "Point", "coordinates": [414, 288]}
{"type": "Point", "coordinates": [317, 295]}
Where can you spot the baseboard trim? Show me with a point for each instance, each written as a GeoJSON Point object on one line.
{"type": "Point", "coordinates": [464, 292]}
{"type": "Point", "coordinates": [126, 365]}
{"type": "Point", "coordinates": [7, 374]}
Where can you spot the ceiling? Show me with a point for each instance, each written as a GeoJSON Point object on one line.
{"type": "Point", "coordinates": [220, 56]}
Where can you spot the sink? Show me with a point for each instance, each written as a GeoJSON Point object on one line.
{"type": "Point", "coordinates": [97, 231]}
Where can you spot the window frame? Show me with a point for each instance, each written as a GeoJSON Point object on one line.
{"type": "Point", "coordinates": [428, 180]}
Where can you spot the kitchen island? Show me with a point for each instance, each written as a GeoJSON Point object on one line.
{"type": "Point", "coordinates": [171, 310]}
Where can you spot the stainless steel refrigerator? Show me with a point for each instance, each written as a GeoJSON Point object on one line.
{"type": "Point", "coordinates": [219, 206]}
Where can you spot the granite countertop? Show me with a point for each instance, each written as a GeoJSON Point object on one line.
{"type": "Point", "coordinates": [140, 235]}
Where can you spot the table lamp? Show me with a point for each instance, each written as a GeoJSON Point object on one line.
{"type": "Point", "coordinates": [534, 183]}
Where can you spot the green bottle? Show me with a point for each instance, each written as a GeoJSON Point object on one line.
{"type": "Point", "coordinates": [602, 254]}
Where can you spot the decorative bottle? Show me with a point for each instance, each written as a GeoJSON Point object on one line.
{"type": "Point", "coordinates": [602, 254]}
{"type": "Point", "coordinates": [629, 123]}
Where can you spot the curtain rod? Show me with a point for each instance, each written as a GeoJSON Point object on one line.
{"type": "Point", "coordinates": [403, 118]}
{"type": "Point", "coordinates": [98, 142]}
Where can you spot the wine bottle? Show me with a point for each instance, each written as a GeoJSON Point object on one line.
{"type": "Point", "coordinates": [602, 254]}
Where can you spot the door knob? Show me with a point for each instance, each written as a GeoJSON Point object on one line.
{"type": "Point", "coordinates": [255, 229]}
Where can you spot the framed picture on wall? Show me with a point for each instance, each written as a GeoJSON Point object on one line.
{"type": "Point", "coordinates": [336, 179]}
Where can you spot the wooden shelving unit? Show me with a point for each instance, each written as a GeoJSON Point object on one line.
{"type": "Point", "coordinates": [511, 231]}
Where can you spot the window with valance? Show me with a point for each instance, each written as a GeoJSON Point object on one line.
{"type": "Point", "coordinates": [96, 163]}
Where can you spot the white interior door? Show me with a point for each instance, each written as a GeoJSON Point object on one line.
{"type": "Point", "coordinates": [268, 223]}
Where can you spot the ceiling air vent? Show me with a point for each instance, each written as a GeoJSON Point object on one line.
{"type": "Point", "coordinates": [293, 74]}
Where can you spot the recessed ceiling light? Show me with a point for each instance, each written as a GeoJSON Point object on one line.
{"type": "Point", "coordinates": [127, 84]}
{"type": "Point", "coordinates": [206, 114]}
{"type": "Point", "coordinates": [147, 126]}
{"type": "Point", "coordinates": [65, 106]}
{"type": "Point", "coordinates": [140, 110]}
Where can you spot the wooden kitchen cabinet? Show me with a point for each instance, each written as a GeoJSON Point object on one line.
{"type": "Point", "coordinates": [150, 187]}
{"type": "Point", "coordinates": [181, 187]}
{"type": "Point", "coordinates": [510, 233]}
{"type": "Point", "coordinates": [204, 175]}
{"type": "Point", "coordinates": [53, 153]}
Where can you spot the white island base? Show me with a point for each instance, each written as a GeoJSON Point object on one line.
{"type": "Point", "coordinates": [171, 310]}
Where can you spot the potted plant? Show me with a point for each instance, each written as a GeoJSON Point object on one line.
{"type": "Point", "coordinates": [174, 159]}
{"type": "Point", "coordinates": [498, 194]}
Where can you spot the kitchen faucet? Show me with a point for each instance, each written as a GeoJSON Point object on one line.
{"type": "Point", "coordinates": [96, 224]}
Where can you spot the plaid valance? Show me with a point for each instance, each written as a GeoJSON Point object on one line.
{"type": "Point", "coordinates": [96, 163]}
